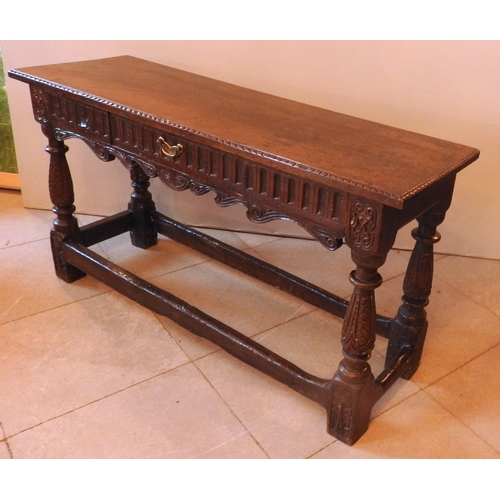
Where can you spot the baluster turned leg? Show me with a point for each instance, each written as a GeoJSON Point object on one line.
{"type": "Point", "coordinates": [62, 196]}
{"type": "Point", "coordinates": [409, 327]}
{"type": "Point", "coordinates": [143, 232]}
{"type": "Point", "coordinates": [353, 384]}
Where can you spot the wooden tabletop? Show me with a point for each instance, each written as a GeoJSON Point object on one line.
{"type": "Point", "coordinates": [393, 163]}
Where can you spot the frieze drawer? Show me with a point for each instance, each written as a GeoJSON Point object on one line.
{"type": "Point", "coordinates": [179, 163]}
{"type": "Point", "coordinates": [70, 116]}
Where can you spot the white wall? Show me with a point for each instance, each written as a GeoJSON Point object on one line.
{"type": "Point", "coordinates": [447, 89]}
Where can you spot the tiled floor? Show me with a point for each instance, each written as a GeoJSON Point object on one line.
{"type": "Point", "coordinates": [85, 372]}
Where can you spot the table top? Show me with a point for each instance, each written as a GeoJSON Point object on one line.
{"type": "Point", "coordinates": [383, 163]}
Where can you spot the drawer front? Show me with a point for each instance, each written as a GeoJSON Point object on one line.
{"type": "Point", "coordinates": [235, 179]}
{"type": "Point", "coordinates": [70, 115]}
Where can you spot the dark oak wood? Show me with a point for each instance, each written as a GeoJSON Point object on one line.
{"type": "Point", "coordinates": [344, 179]}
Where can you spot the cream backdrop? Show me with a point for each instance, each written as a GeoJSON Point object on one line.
{"type": "Point", "coordinates": [446, 89]}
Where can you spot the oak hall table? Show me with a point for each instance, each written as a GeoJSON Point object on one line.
{"type": "Point", "coordinates": [345, 180]}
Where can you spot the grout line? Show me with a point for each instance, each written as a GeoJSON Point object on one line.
{"type": "Point", "coordinates": [11, 455]}
{"type": "Point", "coordinates": [461, 366]}
{"type": "Point", "coordinates": [466, 295]}
{"type": "Point", "coordinates": [6, 247]}
{"type": "Point", "coordinates": [323, 448]}
{"type": "Point", "coordinates": [99, 399]}
{"type": "Point", "coordinates": [461, 421]}
{"type": "Point", "coordinates": [424, 390]}
{"type": "Point", "coordinates": [230, 410]}
{"type": "Point", "coordinates": [58, 306]}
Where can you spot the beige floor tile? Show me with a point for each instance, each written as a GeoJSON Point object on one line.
{"type": "Point", "coordinates": [53, 362]}
{"type": "Point", "coordinates": [459, 329]}
{"type": "Point", "coordinates": [416, 428]}
{"type": "Point", "coordinates": [194, 346]}
{"type": "Point", "coordinates": [252, 240]}
{"type": "Point", "coordinates": [175, 415]}
{"type": "Point", "coordinates": [4, 447]}
{"type": "Point", "coordinates": [20, 225]}
{"type": "Point", "coordinates": [476, 278]}
{"type": "Point", "coordinates": [28, 284]}
{"type": "Point", "coordinates": [227, 237]}
{"type": "Point", "coordinates": [284, 423]}
{"type": "Point", "coordinates": [242, 446]}
{"type": "Point", "coordinates": [242, 303]}
{"type": "Point", "coordinates": [312, 342]}
{"type": "Point", "coordinates": [4, 450]}
{"type": "Point", "coordinates": [164, 257]}
{"type": "Point", "coordinates": [472, 394]}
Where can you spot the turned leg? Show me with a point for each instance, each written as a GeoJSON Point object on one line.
{"type": "Point", "coordinates": [353, 384]}
{"type": "Point", "coordinates": [409, 327]}
{"type": "Point", "coordinates": [143, 232]}
{"type": "Point", "coordinates": [62, 196]}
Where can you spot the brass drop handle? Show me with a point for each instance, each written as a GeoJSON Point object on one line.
{"type": "Point", "coordinates": [169, 150]}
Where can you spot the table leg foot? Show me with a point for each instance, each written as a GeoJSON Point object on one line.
{"type": "Point", "coordinates": [352, 401]}
{"type": "Point", "coordinates": [353, 385]}
{"type": "Point", "coordinates": [64, 271]}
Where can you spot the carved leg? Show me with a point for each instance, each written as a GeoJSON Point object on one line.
{"type": "Point", "coordinates": [353, 384]}
{"type": "Point", "coordinates": [409, 327]}
{"type": "Point", "coordinates": [143, 233]}
{"type": "Point", "coordinates": [62, 196]}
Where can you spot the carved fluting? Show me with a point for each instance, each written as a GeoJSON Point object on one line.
{"type": "Point", "coordinates": [180, 182]}
{"type": "Point", "coordinates": [223, 170]}
{"type": "Point", "coordinates": [363, 223]}
{"type": "Point", "coordinates": [74, 116]}
{"type": "Point", "coordinates": [202, 169]}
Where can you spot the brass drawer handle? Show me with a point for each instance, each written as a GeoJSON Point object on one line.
{"type": "Point", "coordinates": [169, 150]}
